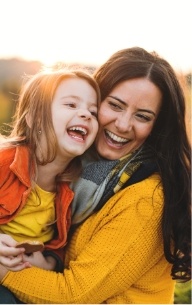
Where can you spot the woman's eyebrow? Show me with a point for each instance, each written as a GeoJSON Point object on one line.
{"type": "Point", "coordinates": [148, 111]}
{"type": "Point", "coordinates": [122, 102]}
{"type": "Point", "coordinates": [118, 99]}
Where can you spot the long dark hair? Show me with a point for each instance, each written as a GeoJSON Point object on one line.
{"type": "Point", "coordinates": [170, 143]}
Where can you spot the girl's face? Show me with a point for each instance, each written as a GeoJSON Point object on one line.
{"type": "Point", "coordinates": [126, 117]}
{"type": "Point", "coordinates": [74, 116]}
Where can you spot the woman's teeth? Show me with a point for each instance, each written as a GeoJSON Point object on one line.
{"type": "Point", "coordinates": [115, 138]}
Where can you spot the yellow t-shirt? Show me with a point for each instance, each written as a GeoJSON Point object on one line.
{"type": "Point", "coordinates": [35, 219]}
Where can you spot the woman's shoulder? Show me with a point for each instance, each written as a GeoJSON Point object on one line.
{"type": "Point", "coordinates": [136, 205]}
{"type": "Point", "coordinates": [147, 193]}
{"type": "Point", "coordinates": [145, 187]}
{"type": "Point", "coordinates": [151, 181]}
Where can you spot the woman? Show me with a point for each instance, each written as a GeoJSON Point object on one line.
{"type": "Point", "coordinates": [136, 241]}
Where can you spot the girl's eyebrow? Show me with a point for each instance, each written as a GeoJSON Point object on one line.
{"type": "Point", "coordinates": [71, 96]}
{"type": "Point", "coordinates": [122, 102]}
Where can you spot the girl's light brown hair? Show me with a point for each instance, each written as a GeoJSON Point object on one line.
{"type": "Point", "coordinates": [35, 100]}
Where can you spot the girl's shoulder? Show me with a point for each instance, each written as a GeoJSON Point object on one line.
{"type": "Point", "coordinates": [7, 154]}
{"type": "Point", "coordinates": [10, 153]}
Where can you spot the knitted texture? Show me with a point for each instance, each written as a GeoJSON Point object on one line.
{"type": "Point", "coordinates": [115, 256]}
{"type": "Point", "coordinates": [102, 178]}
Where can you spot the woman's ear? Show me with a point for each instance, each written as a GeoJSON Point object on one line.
{"type": "Point", "coordinates": [28, 120]}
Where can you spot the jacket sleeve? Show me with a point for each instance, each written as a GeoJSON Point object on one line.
{"type": "Point", "coordinates": [125, 243]}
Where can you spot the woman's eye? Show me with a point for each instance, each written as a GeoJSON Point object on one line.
{"type": "Point", "coordinates": [115, 106]}
{"type": "Point", "coordinates": [143, 117]}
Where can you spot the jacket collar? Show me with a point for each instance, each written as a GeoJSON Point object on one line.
{"type": "Point", "coordinates": [20, 165]}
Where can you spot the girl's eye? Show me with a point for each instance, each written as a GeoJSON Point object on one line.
{"type": "Point", "coordinates": [71, 105]}
{"type": "Point", "coordinates": [93, 113]}
{"type": "Point", "coordinates": [143, 117]}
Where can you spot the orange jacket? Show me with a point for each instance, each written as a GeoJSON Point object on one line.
{"type": "Point", "coordinates": [15, 186]}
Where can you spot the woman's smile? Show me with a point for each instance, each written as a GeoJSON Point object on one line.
{"type": "Point", "coordinates": [114, 139]}
{"type": "Point", "coordinates": [126, 117]}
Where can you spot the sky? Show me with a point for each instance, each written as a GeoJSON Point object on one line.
{"type": "Point", "coordinates": [89, 31]}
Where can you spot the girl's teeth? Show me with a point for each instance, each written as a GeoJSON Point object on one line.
{"type": "Point", "coordinates": [83, 130]}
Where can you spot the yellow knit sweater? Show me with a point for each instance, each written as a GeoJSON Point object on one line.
{"type": "Point", "coordinates": [115, 256]}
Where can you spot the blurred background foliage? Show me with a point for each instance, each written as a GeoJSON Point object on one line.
{"type": "Point", "coordinates": [12, 75]}
{"type": "Point", "coordinates": [183, 293]}
{"type": "Point", "coordinates": [12, 72]}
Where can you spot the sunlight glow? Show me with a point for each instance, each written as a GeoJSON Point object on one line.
{"type": "Point", "coordinates": [89, 32]}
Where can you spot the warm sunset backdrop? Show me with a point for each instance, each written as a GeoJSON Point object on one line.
{"type": "Point", "coordinates": [89, 31]}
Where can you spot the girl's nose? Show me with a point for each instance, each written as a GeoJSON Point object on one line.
{"type": "Point", "coordinates": [84, 113]}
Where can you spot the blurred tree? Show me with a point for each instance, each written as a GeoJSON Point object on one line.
{"type": "Point", "coordinates": [14, 69]}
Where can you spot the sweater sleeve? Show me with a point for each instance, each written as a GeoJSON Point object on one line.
{"type": "Point", "coordinates": [113, 249]}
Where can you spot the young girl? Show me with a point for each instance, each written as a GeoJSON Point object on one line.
{"type": "Point", "coordinates": [55, 122]}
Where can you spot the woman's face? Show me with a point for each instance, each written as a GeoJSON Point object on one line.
{"type": "Point", "coordinates": [127, 116]}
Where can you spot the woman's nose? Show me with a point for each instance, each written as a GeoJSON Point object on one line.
{"type": "Point", "coordinates": [124, 123]}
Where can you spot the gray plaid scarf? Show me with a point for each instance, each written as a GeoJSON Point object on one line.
{"type": "Point", "coordinates": [101, 179]}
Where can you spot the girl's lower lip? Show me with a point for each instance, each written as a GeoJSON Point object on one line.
{"type": "Point", "coordinates": [78, 139]}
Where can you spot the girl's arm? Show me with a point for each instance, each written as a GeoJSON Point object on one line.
{"type": "Point", "coordinates": [10, 256]}
{"type": "Point", "coordinates": [109, 252]}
